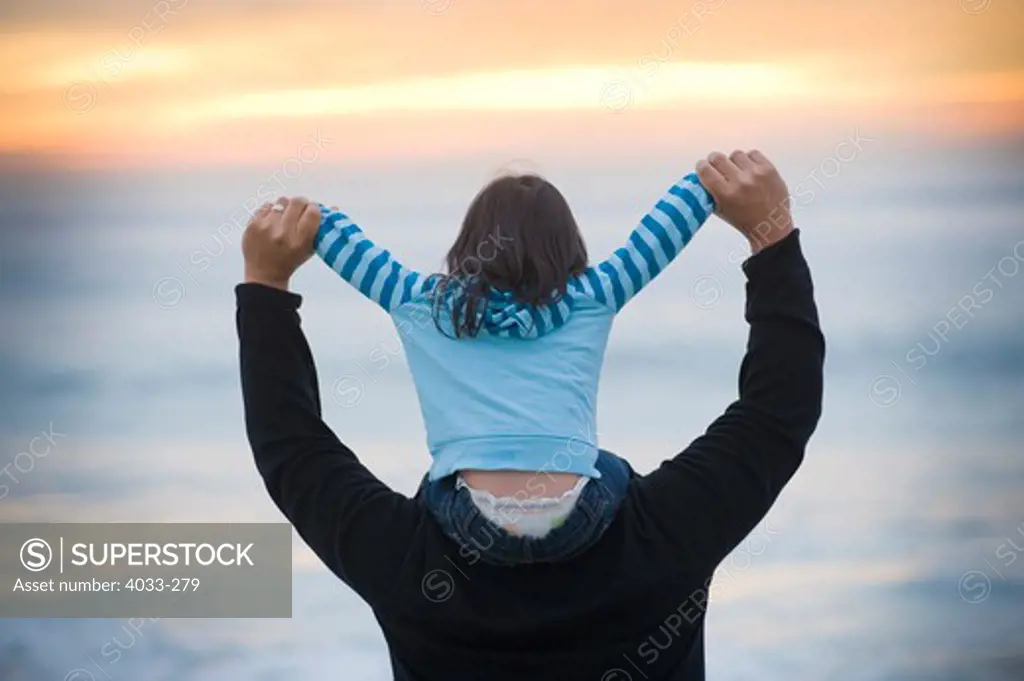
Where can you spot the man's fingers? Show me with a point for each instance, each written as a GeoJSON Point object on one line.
{"type": "Point", "coordinates": [742, 161]}
{"type": "Point", "coordinates": [259, 214]}
{"type": "Point", "coordinates": [709, 177]}
{"type": "Point", "coordinates": [293, 210]}
{"type": "Point", "coordinates": [724, 166]}
{"type": "Point", "coordinates": [760, 159]}
{"type": "Point", "coordinates": [309, 224]}
{"type": "Point", "coordinates": [254, 218]}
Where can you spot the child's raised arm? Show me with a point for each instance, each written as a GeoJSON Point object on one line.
{"type": "Point", "coordinates": [360, 262]}
{"type": "Point", "coordinates": [655, 242]}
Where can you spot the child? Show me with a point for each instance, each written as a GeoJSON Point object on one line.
{"type": "Point", "coordinates": [505, 351]}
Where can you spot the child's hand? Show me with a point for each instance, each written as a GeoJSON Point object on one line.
{"type": "Point", "coordinates": [278, 240]}
{"type": "Point", "coordinates": [749, 194]}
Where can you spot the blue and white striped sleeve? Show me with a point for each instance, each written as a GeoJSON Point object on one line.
{"type": "Point", "coordinates": [655, 242]}
{"type": "Point", "coordinates": [371, 269]}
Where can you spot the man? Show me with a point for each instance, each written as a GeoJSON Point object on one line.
{"type": "Point", "coordinates": [633, 605]}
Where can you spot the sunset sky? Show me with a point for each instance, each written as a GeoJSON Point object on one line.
{"type": "Point", "coordinates": [184, 81]}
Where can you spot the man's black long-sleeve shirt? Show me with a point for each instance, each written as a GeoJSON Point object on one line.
{"type": "Point", "coordinates": [632, 606]}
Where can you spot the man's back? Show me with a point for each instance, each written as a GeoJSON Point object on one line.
{"type": "Point", "coordinates": [629, 602]}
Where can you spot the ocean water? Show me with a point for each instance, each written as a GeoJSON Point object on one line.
{"type": "Point", "coordinates": [893, 554]}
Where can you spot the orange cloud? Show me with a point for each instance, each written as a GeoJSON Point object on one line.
{"type": "Point", "coordinates": [129, 85]}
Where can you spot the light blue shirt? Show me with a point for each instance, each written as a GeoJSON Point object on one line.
{"type": "Point", "coordinates": [522, 394]}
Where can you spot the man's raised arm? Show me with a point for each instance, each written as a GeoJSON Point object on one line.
{"type": "Point", "coordinates": [712, 494]}
{"type": "Point", "coordinates": [357, 526]}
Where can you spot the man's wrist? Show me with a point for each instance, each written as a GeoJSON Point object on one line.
{"type": "Point", "coordinates": [254, 295]}
{"type": "Point", "coordinates": [767, 259]}
{"type": "Point", "coordinates": [252, 277]}
{"type": "Point", "coordinates": [762, 239]}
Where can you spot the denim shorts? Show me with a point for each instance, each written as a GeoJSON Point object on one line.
{"type": "Point", "coordinates": [462, 521]}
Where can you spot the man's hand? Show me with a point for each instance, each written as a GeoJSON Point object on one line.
{"type": "Point", "coordinates": [749, 194]}
{"type": "Point", "coordinates": [277, 242]}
